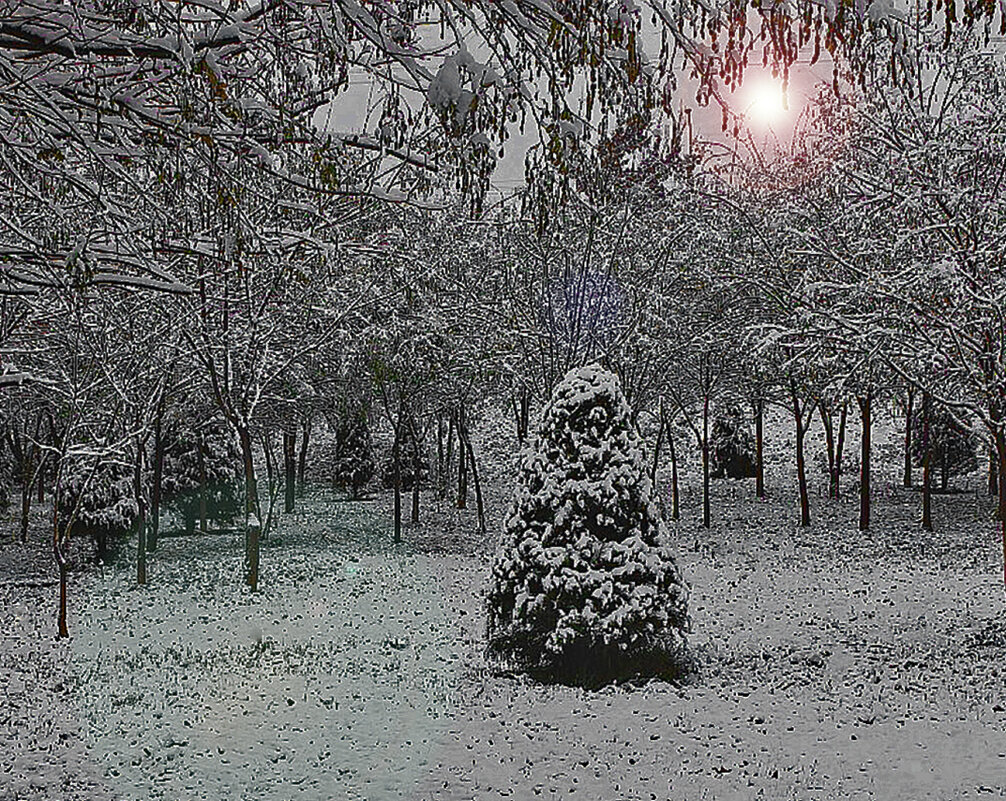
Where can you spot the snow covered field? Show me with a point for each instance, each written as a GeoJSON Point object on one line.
{"type": "Point", "coordinates": [828, 664]}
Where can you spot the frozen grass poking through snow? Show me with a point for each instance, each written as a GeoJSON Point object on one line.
{"type": "Point", "coordinates": [829, 664]}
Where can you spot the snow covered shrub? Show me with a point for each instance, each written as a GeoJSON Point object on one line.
{"type": "Point", "coordinates": [208, 460]}
{"type": "Point", "coordinates": [583, 585]}
{"type": "Point", "coordinates": [354, 462]}
{"type": "Point", "coordinates": [731, 447]}
{"type": "Point", "coordinates": [952, 447]}
{"type": "Point", "coordinates": [98, 499]}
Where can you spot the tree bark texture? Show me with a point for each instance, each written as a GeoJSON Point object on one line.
{"type": "Point", "coordinates": [155, 489]}
{"type": "Point", "coordinates": [927, 511]}
{"type": "Point", "coordinates": [801, 464]}
{"type": "Point", "coordinates": [706, 507]}
{"type": "Point", "coordinates": [909, 408]}
{"type": "Point", "coordinates": [290, 470]}
{"type": "Point", "coordinates": [865, 416]}
{"type": "Point", "coordinates": [759, 416]}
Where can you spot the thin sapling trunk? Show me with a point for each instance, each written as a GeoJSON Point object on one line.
{"type": "Point", "coordinates": [706, 511]}
{"type": "Point", "coordinates": [927, 512]}
{"type": "Point", "coordinates": [909, 404]}
{"type": "Point", "coordinates": [759, 415]}
{"type": "Point", "coordinates": [290, 469]}
{"type": "Point", "coordinates": [675, 511]}
{"type": "Point", "coordinates": [865, 404]}
{"type": "Point", "coordinates": [155, 489]}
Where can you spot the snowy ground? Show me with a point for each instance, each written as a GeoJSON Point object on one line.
{"type": "Point", "coordinates": [829, 664]}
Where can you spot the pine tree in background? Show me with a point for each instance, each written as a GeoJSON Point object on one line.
{"type": "Point", "coordinates": [413, 464]}
{"type": "Point", "coordinates": [100, 500]}
{"type": "Point", "coordinates": [354, 463]}
{"type": "Point", "coordinates": [732, 447]}
{"type": "Point", "coordinates": [203, 466]}
{"type": "Point", "coordinates": [583, 586]}
{"type": "Point", "coordinates": [952, 449]}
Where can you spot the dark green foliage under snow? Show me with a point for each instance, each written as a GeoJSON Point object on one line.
{"type": "Point", "coordinates": [354, 461]}
{"type": "Point", "coordinates": [97, 498]}
{"type": "Point", "coordinates": [583, 586]}
{"type": "Point", "coordinates": [209, 461]}
{"type": "Point", "coordinates": [413, 464]}
{"type": "Point", "coordinates": [951, 447]}
{"type": "Point", "coordinates": [731, 447]}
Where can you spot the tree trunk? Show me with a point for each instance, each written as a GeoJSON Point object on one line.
{"type": "Point", "coordinates": [305, 439]}
{"type": "Point", "coordinates": [61, 552]}
{"type": "Point", "coordinates": [449, 458]}
{"type": "Point", "coordinates": [141, 518]}
{"type": "Point", "coordinates": [63, 632]}
{"type": "Point", "coordinates": [270, 468]}
{"type": "Point", "coordinates": [290, 469]}
{"type": "Point", "coordinates": [909, 408]}
{"type": "Point", "coordinates": [202, 485]}
{"type": "Point", "coordinates": [466, 438]}
{"type": "Point", "coordinates": [521, 407]}
{"type": "Point", "coordinates": [440, 453]}
{"type": "Point", "coordinates": [944, 474]}
{"type": "Point", "coordinates": [927, 512]}
{"type": "Point", "coordinates": [840, 448]}
{"type": "Point", "coordinates": [993, 471]}
{"type": "Point", "coordinates": [155, 490]}
{"type": "Point", "coordinates": [675, 512]}
{"type": "Point", "coordinates": [759, 415]}
{"type": "Point", "coordinates": [656, 447]}
{"type": "Point", "coordinates": [252, 509]}
{"type": "Point", "coordinates": [525, 412]}
{"type": "Point", "coordinates": [273, 482]}
{"type": "Point", "coordinates": [26, 477]}
{"type": "Point", "coordinates": [801, 466]}
{"type": "Point", "coordinates": [416, 474]}
{"type": "Point", "coordinates": [1001, 448]}
{"type": "Point", "coordinates": [396, 455]}
{"type": "Point", "coordinates": [462, 463]}
{"type": "Point", "coordinates": [865, 417]}
{"type": "Point", "coordinates": [253, 534]}
{"type": "Point", "coordinates": [515, 407]}
{"type": "Point", "coordinates": [706, 511]}
{"type": "Point", "coordinates": [40, 477]}
{"type": "Point", "coordinates": [824, 412]}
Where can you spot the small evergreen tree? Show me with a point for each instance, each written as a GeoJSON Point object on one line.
{"type": "Point", "coordinates": [952, 448]}
{"type": "Point", "coordinates": [99, 499]}
{"type": "Point", "coordinates": [413, 462]}
{"type": "Point", "coordinates": [583, 585]}
{"type": "Point", "coordinates": [218, 476]}
{"type": "Point", "coordinates": [354, 462]}
{"type": "Point", "coordinates": [731, 446]}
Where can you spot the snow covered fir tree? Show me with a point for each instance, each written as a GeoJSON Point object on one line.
{"type": "Point", "coordinates": [202, 470]}
{"type": "Point", "coordinates": [97, 500]}
{"type": "Point", "coordinates": [951, 447]}
{"type": "Point", "coordinates": [583, 586]}
{"type": "Point", "coordinates": [731, 446]}
{"type": "Point", "coordinates": [353, 466]}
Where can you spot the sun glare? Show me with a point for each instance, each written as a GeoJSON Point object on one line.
{"type": "Point", "coordinates": [768, 105]}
